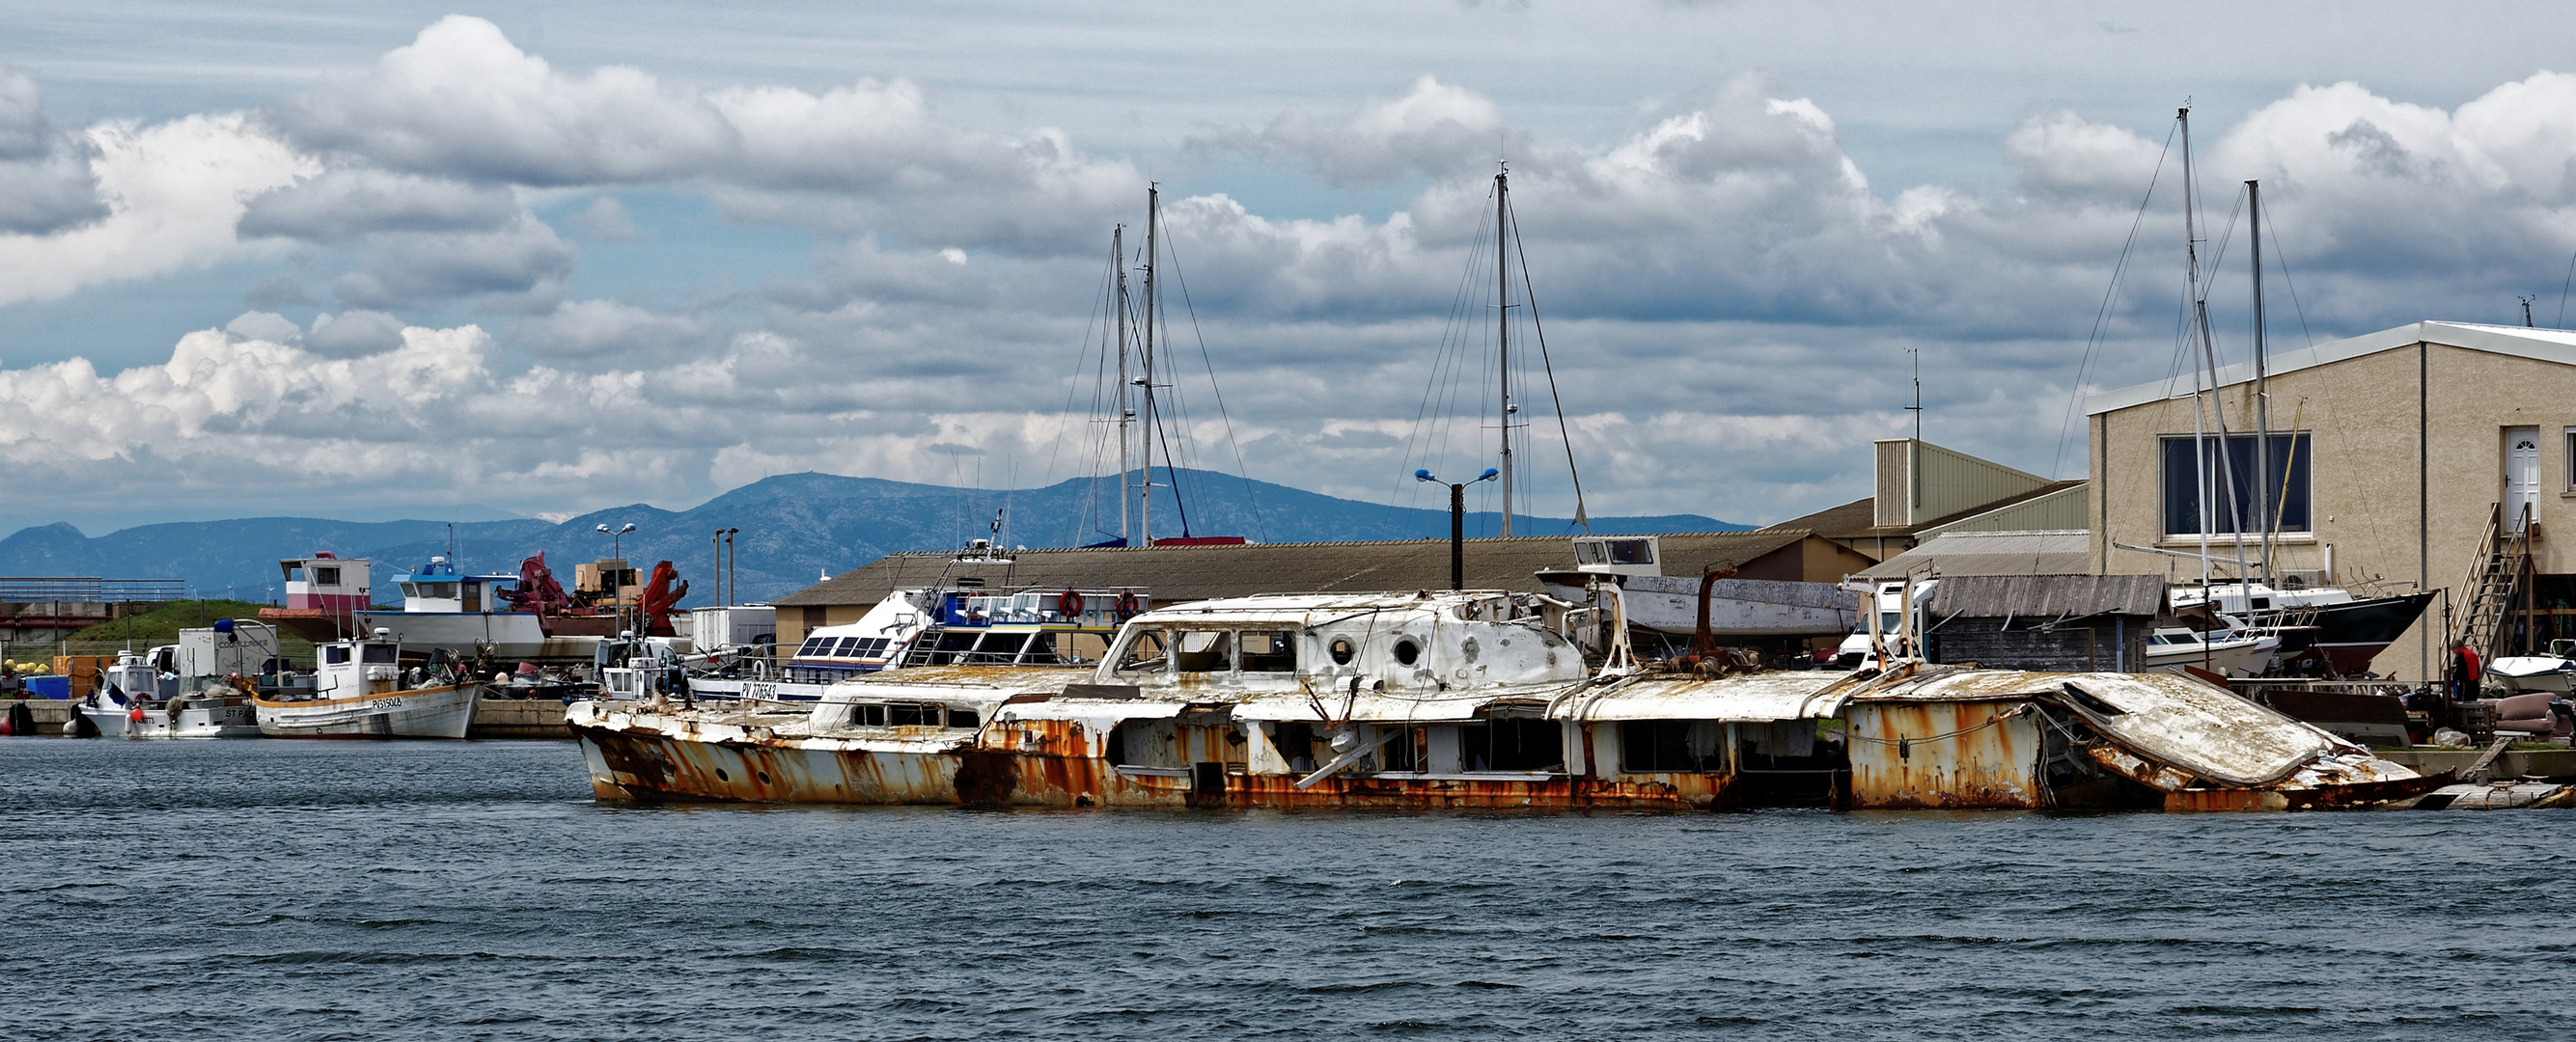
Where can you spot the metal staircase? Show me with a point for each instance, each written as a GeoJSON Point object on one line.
{"type": "Point", "coordinates": [2497, 575]}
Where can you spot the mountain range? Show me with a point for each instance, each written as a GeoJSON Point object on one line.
{"type": "Point", "coordinates": [794, 528]}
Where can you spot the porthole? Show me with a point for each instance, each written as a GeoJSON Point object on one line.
{"type": "Point", "coordinates": [1342, 651]}
{"type": "Point", "coordinates": [764, 777]}
{"type": "Point", "coordinates": [1406, 651]}
{"type": "Point", "coordinates": [722, 776]}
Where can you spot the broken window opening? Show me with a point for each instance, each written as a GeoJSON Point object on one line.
{"type": "Point", "coordinates": [1267, 651]}
{"type": "Point", "coordinates": [1511, 745]}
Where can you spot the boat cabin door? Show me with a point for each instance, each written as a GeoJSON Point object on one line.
{"type": "Point", "coordinates": [2521, 476]}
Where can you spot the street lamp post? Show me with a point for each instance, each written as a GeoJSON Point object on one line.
{"type": "Point", "coordinates": [729, 591]}
{"type": "Point", "coordinates": [615, 539]}
{"type": "Point", "coordinates": [1457, 522]}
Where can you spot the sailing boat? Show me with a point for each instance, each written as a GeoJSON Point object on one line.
{"type": "Point", "coordinates": [2321, 629]}
{"type": "Point", "coordinates": [1141, 412]}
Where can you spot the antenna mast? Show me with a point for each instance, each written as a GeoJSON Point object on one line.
{"type": "Point", "coordinates": [1126, 412]}
{"type": "Point", "coordinates": [2263, 469]}
{"type": "Point", "coordinates": [1153, 257]}
{"type": "Point", "coordinates": [1503, 326]}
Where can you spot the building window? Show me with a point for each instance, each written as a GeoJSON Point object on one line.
{"type": "Point", "coordinates": [2244, 497]}
{"type": "Point", "coordinates": [2571, 459]}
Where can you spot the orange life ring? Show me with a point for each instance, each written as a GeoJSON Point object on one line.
{"type": "Point", "coordinates": [1127, 605]}
{"type": "Point", "coordinates": [1070, 604]}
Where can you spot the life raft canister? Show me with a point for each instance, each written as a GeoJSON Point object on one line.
{"type": "Point", "coordinates": [1127, 608]}
{"type": "Point", "coordinates": [1070, 604]}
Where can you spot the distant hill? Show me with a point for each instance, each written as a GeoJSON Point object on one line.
{"type": "Point", "coordinates": [794, 528]}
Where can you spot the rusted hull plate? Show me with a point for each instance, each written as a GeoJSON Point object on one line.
{"type": "Point", "coordinates": [1949, 755]}
{"type": "Point", "coordinates": [654, 768]}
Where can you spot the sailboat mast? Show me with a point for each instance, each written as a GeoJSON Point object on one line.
{"type": "Point", "coordinates": [1126, 412]}
{"type": "Point", "coordinates": [1503, 327]}
{"type": "Point", "coordinates": [2262, 398]}
{"type": "Point", "coordinates": [2191, 281]}
{"type": "Point", "coordinates": [1153, 267]}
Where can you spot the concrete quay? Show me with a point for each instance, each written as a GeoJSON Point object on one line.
{"type": "Point", "coordinates": [541, 718]}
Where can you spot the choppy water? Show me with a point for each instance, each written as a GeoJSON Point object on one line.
{"type": "Point", "coordinates": [283, 890]}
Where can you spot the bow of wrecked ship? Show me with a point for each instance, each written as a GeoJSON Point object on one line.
{"type": "Point", "coordinates": [1474, 700]}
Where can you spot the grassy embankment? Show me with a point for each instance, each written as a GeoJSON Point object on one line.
{"type": "Point", "coordinates": [162, 625]}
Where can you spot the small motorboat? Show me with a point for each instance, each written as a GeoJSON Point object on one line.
{"type": "Point", "coordinates": [2552, 672]}
{"type": "Point", "coordinates": [222, 710]}
{"type": "Point", "coordinates": [2227, 652]}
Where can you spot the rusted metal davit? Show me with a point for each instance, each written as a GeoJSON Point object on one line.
{"type": "Point", "coordinates": [1474, 699]}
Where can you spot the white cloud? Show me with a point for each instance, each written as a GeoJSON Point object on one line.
{"type": "Point", "coordinates": [174, 191]}
{"type": "Point", "coordinates": [1432, 127]}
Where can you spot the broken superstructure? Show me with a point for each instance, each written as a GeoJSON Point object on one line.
{"type": "Point", "coordinates": [1475, 699]}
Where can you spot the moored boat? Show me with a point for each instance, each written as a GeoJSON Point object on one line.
{"type": "Point", "coordinates": [360, 690]}
{"type": "Point", "coordinates": [1473, 699]}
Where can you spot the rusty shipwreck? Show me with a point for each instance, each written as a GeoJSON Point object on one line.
{"type": "Point", "coordinates": [1474, 699]}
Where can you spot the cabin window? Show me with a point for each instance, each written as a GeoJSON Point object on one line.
{"type": "Point", "coordinates": [377, 653]}
{"type": "Point", "coordinates": [295, 572]}
{"type": "Point", "coordinates": [2245, 497]}
{"type": "Point", "coordinates": [1511, 745]}
{"type": "Point", "coordinates": [326, 576]}
{"type": "Point", "coordinates": [1670, 747]}
{"type": "Point", "coordinates": [1143, 655]}
{"type": "Point", "coordinates": [873, 647]}
{"type": "Point", "coordinates": [1342, 651]}
{"type": "Point", "coordinates": [847, 648]}
{"type": "Point", "coordinates": [1267, 651]}
{"type": "Point", "coordinates": [442, 591]}
{"type": "Point", "coordinates": [1203, 651]}
{"type": "Point", "coordinates": [813, 646]}
{"type": "Point", "coordinates": [961, 717]}
{"type": "Point", "coordinates": [1630, 551]}
{"type": "Point", "coordinates": [335, 656]}
{"type": "Point", "coordinates": [907, 714]}
{"type": "Point", "coordinates": [1406, 651]}
{"type": "Point", "coordinates": [867, 716]}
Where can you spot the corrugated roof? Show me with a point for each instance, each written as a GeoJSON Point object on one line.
{"type": "Point", "coordinates": [1173, 574]}
{"type": "Point", "coordinates": [2547, 345]}
{"type": "Point", "coordinates": [1993, 553]}
{"type": "Point", "coordinates": [2047, 596]}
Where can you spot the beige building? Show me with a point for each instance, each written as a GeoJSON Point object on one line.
{"type": "Point", "coordinates": [1922, 491]}
{"type": "Point", "coordinates": [2390, 453]}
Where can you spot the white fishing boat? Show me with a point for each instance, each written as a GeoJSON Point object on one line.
{"type": "Point", "coordinates": [360, 690]}
{"type": "Point", "coordinates": [124, 706]}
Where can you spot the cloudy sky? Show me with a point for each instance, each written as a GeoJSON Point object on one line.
{"type": "Point", "coordinates": [428, 261]}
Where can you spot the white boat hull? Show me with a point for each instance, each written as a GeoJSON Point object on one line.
{"type": "Point", "coordinates": [511, 635]}
{"type": "Point", "coordinates": [2533, 672]}
{"type": "Point", "coordinates": [433, 712]}
{"type": "Point", "coordinates": [192, 722]}
{"type": "Point", "coordinates": [2228, 658]}
{"type": "Point", "coordinates": [1736, 607]}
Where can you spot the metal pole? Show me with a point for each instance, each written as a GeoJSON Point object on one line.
{"type": "Point", "coordinates": [2262, 393]}
{"type": "Point", "coordinates": [1153, 265]}
{"type": "Point", "coordinates": [1503, 329]}
{"type": "Point", "coordinates": [1458, 537]}
{"type": "Point", "coordinates": [1126, 413]}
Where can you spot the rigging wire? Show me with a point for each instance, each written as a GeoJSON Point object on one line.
{"type": "Point", "coordinates": [1529, 294]}
{"type": "Point", "coordinates": [2562, 291]}
{"type": "Point", "coordinates": [2281, 260]}
{"type": "Point", "coordinates": [1242, 470]}
{"type": "Point", "coordinates": [2102, 316]}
